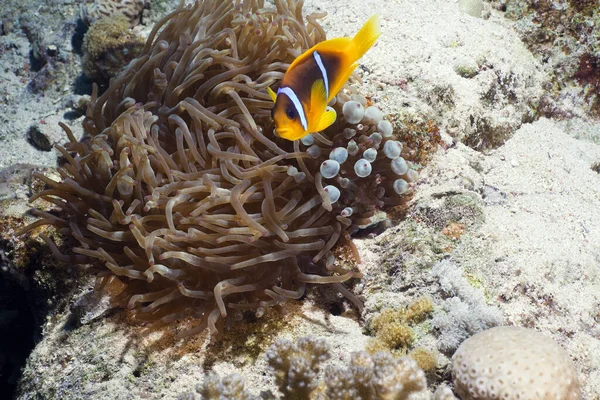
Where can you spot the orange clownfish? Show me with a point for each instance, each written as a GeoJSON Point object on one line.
{"type": "Point", "coordinates": [314, 78]}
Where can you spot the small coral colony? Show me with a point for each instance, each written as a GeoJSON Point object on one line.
{"type": "Point", "coordinates": [199, 193]}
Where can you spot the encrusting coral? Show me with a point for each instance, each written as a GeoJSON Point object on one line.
{"type": "Point", "coordinates": [183, 192]}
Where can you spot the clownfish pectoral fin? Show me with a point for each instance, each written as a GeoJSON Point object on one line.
{"type": "Point", "coordinates": [326, 120]}
{"type": "Point", "coordinates": [320, 117]}
{"type": "Point", "coordinates": [318, 96]}
{"type": "Point", "coordinates": [272, 94]}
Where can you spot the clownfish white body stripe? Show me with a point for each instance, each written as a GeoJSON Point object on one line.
{"type": "Point", "coordinates": [323, 71]}
{"type": "Point", "coordinates": [314, 78]}
{"type": "Point", "coordinates": [289, 92]}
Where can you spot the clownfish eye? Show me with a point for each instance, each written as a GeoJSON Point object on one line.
{"type": "Point", "coordinates": [291, 112]}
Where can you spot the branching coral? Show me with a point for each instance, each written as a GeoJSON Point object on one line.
{"type": "Point", "coordinates": [379, 376]}
{"type": "Point", "coordinates": [296, 365]}
{"type": "Point", "coordinates": [230, 387]}
{"type": "Point", "coordinates": [182, 191]}
{"type": "Point", "coordinates": [296, 368]}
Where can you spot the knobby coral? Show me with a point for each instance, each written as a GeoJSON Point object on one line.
{"type": "Point", "coordinates": [183, 192]}
{"type": "Point", "coordinates": [511, 362]}
{"type": "Point", "coordinates": [92, 11]}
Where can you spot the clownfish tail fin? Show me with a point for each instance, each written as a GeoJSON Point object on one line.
{"type": "Point", "coordinates": [366, 36]}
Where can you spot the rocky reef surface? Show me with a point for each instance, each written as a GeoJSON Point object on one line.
{"type": "Point", "coordinates": [502, 228]}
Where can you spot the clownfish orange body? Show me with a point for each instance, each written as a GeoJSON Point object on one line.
{"type": "Point", "coordinates": [314, 78]}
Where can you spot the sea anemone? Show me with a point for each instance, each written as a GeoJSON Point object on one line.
{"type": "Point", "coordinates": [186, 199]}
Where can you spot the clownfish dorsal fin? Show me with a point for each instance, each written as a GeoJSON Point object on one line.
{"type": "Point", "coordinates": [272, 94]}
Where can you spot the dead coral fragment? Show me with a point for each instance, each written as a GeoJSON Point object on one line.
{"type": "Point", "coordinates": [182, 192]}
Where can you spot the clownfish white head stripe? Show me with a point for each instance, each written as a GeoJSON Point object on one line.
{"type": "Point", "coordinates": [314, 78]}
{"type": "Point", "coordinates": [319, 62]}
{"type": "Point", "coordinates": [289, 92]}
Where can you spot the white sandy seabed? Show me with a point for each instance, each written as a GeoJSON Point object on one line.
{"type": "Point", "coordinates": [538, 250]}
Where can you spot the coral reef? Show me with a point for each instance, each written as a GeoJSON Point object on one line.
{"type": "Point", "coordinates": [457, 208]}
{"type": "Point", "coordinates": [472, 7]}
{"type": "Point", "coordinates": [183, 193]}
{"type": "Point", "coordinates": [46, 67]}
{"type": "Point", "coordinates": [16, 319]}
{"type": "Point", "coordinates": [524, 256]}
{"type": "Point", "coordinates": [513, 363]}
{"type": "Point", "coordinates": [108, 46]}
{"type": "Point", "coordinates": [30, 284]}
{"type": "Point", "coordinates": [421, 135]}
